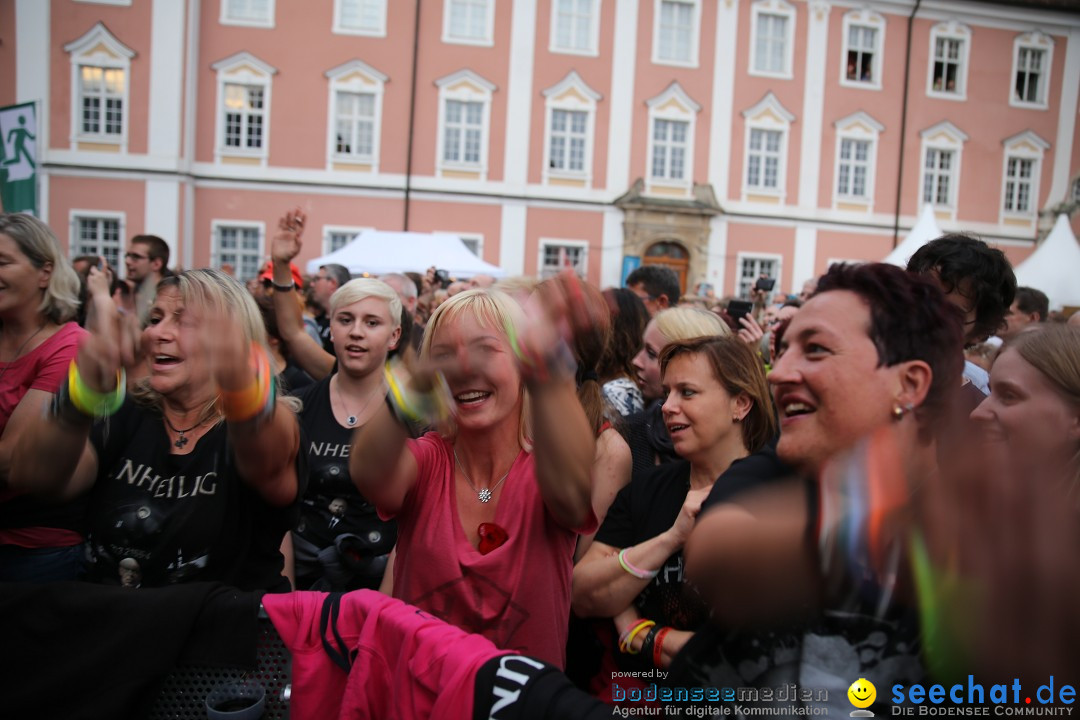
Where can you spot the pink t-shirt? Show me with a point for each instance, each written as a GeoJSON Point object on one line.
{"type": "Point", "coordinates": [40, 369]}
{"type": "Point", "coordinates": [408, 664]}
{"type": "Point", "coordinates": [518, 595]}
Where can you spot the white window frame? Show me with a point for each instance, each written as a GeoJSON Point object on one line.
{"type": "Point", "coordinates": [215, 252]}
{"type": "Point", "coordinates": [546, 242]}
{"type": "Point", "coordinates": [464, 86]}
{"type": "Point", "coordinates": [224, 19]}
{"type": "Point", "coordinates": [77, 214]}
{"type": "Point", "coordinates": [695, 35]}
{"type": "Point", "coordinates": [339, 29]}
{"type": "Point", "coordinates": [594, 32]}
{"type": "Point", "coordinates": [247, 70]}
{"type": "Point", "coordinates": [676, 105]}
{"type": "Point", "coordinates": [860, 127]}
{"type": "Point", "coordinates": [742, 257]}
{"type": "Point", "coordinates": [951, 30]}
{"type": "Point", "coordinates": [773, 7]}
{"type": "Point", "coordinates": [1034, 40]}
{"type": "Point", "coordinates": [85, 52]}
{"type": "Point", "coordinates": [574, 95]}
{"type": "Point", "coordinates": [767, 114]}
{"type": "Point", "coordinates": [1024, 146]}
{"type": "Point", "coordinates": [106, 2]}
{"type": "Point", "coordinates": [354, 77]}
{"type": "Point", "coordinates": [943, 136]}
{"type": "Point", "coordinates": [874, 21]}
{"type": "Point", "coordinates": [1074, 190]}
{"type": "Point", "coordinates": [489, 37]}
{"type": "Point", "coordinates": [329, 230]}
{"type": "Point", "coordinates": [473, 237]}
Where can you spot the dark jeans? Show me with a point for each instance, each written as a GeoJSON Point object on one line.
{"type": "Point", "coordinates": [41, 565]}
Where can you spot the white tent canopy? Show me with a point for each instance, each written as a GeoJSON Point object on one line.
{"type": "Point", "coordinates": [378, 252]}
{"type": "Point", "coordinates": [925, 230]}
{"type": "Point", "coordinates": [1054, 267]}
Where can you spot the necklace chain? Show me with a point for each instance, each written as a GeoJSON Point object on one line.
{"type": "Point", "coordinates": [352, 418]}
{"type": "Point", "coordinates": [482, 494]}
{"type": "Point", "coordinates": [21, 348]}
{"type": "Point", "coordinates": [181, 441]}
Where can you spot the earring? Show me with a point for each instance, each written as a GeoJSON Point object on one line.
{"type": "Point", "coordinates": [899, 411]}
{"type": "Point", "coordinates": [736, 418]}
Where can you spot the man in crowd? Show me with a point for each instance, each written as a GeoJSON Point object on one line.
{"type": "Point", "coordinates": [147, 262]}
{"type": "Point", "coordinates": [1030, 307]}
{"type": "Point", "coordinates": [325, 283]}
{"type": "Point", "coordinates": [657, 286]}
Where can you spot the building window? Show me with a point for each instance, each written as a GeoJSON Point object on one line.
{"type": "Point", "coordinates": [675, 38]}
{"type": "Point", "coordinates": [355, 125]}
{"type": "Point", "coordinates": [464, 132]}
{"type": "Point", "coordinates": [239, 246]}
{"type": "Point", "coordinates": [949, 44]}
{"type": "Point", "coordinates": [244, 117]}
{"type": "Point", "coordinates": [937, 176]}
{"type": "Point", "coordinates": [464, 110]}
{"type": "Point", "coordinates": [256, 13]}
{"type": "Point", "coordinates": [575, 26]}
{"type": "Point", "coordinates": [854, 168]}
{"type": "Point", "coordinates": [1019, 175]}
{"type": "Point", "coordinates": [475, 243]}
{"type": "Point", "coordinates": [861, 53]}
{"type": "Point", "coordinates": [243, 107]}
{"type": "Point", "coordinates": [360, 17]}
{"type": "Point", "coordinates": [568, 137]}
{"type": "Point", "coordinates": [470, 22]}
{"type": "Point", "coordinates": [98, 236]}
{"type": "Point", "coordinates": [763, 161]}
{"type": "Point", "coordinates": [772, 33]}
{"type": "Point", "coordinates": [752, 267]}
{"type": "Point", "coordinates": [856, 138]}
{"type": "Point", "coordinates": [1032, 56]}
{"type": "Point", "coordinates": [672, 118]}
{"type": "Point", "coordinates": [100, 67]}
{"type": "Point", "coordinates": [1076, 190]}
{"type": "Point", "coordinates": [558, 256]}
{"type": "Point", "coordinates": [337, 240]}
{"type": "Point", "coordinates": [1023, 163]}
{"type": "Point", "coordinates": [669, 149]}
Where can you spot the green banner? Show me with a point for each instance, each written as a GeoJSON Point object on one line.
{"type": "Point", "coordinates": [18, 158]}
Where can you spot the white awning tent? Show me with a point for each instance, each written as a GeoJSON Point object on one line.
{"type": "Point", "coordinates": [378, 251]}
{"type": "Point", "coordinates": [1054, 267]}
{"type": "Point", "coordinates": [925, 230]}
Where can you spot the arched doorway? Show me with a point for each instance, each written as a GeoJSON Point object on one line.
{"type": "Point", "coordinates": [672, 255]}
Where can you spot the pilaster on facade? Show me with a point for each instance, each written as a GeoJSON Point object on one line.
{"type": "Point", "coordinates": [817, 49]}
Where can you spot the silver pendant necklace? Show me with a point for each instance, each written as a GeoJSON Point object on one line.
{"type": "Point", "coordinates": [352, 418]}
{"type": "Point", "coordinates": [483, 494]}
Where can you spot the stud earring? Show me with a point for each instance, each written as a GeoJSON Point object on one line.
{"type": "Point", "coordinates": [899, 411]}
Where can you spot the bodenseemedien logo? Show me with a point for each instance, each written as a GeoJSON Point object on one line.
{"type": "Point", "coordinates": [862, 694]}
{"type": "Point", "coordinates": [1052, 698]}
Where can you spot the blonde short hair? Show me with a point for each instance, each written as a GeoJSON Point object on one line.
{"type": "Point", "coordinates": [363, 288]}
{"type": "Point", "coordinates": [495, 310]}
{"type": "Point", "coordinates": [683, 323]}
{"type": "Point", "coordinates": [60, 298]}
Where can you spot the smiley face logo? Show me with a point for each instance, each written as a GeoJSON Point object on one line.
{"type": "Point", "coordinates": [862, 693]}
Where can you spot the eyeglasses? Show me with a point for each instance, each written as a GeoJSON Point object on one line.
{"type": "Point", "coordinates": [317, 278]}
{"type": "Point", "coordinates": [136, 256]}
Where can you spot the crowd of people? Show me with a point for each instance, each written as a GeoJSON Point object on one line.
{"type": "Point", "coordinates": [877, 477]}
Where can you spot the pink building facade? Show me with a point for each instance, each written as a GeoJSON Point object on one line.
{"type": "Point", "coordinates": [724, 138]}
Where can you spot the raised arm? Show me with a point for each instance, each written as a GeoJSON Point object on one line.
{"type": "Point", "coordinates": [284, 247]}
{"type": "Point", "coordinates": [381, 466]}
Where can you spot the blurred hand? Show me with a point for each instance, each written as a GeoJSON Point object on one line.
{"type": "Point", "coordinates": [286, 243]}
{"type": "Point", "coordinates": [229, 352]}
{"type": "Point", "coordinates": [750, 332]}
{"type": "Point", "coordinates": [684, 523]}
{"type": "Point", "coordinates": [112, 338]}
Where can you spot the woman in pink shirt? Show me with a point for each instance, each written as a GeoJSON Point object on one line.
{"type": "Point", "coordinates": [489, 509]}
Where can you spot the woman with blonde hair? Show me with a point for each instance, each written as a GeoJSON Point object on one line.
{"type": "Point", "coordinates": [338, 526]}
{"type": "Point", "coordinates": [38, 338]}
{"type": "Point", "coordinates": [194, 477]}
{"type": "Point", "coordinates": [645, 432]}
{"type": "Point", "coordinates": [488, 509]}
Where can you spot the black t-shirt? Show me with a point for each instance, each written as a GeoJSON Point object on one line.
{"type": "Point", "coordinates": [748, 472]}
{"type": "Point", "coordinates": [332, 505]}
{"type": "Point", "coordinates": [156, 518]}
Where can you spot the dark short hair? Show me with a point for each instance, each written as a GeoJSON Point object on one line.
{"type": "Point", "coordinates": [963, 260]}
{"type": "Point", "coordinates": [1029, 300]}
{"type": "Point", "coordinates": [910, 319]}
{"type": "Point", "coordinates": [628, 320]}
{"type": "Point", "coordinates": [338, 273]}
{"type": "Point", "coordinates": [658, 280]}
{"type": "Point", "coordinates": [156, 248]}
{"type": "Point", "coordinates": [739, 370]}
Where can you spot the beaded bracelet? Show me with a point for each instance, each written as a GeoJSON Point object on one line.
{"type": "Point", "coordinates": [633, 569]}
{"type": "Point", "coordinates": [90, 402]}
{"type": "Point", "coordinates": [627, 646]}
{"type": "Point", "coordinates": [540, 367]}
